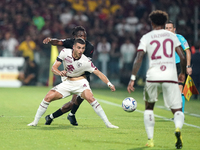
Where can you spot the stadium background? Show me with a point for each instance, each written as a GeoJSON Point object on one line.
{"type": "Point", "coordinates": [116, 20]}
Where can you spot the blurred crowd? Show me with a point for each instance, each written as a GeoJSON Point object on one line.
{"type": "Point", "coordinates": [114, 27]}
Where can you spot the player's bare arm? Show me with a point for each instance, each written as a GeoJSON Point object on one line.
{"type": "Point", "coordinates": [55, 70]}
{"type": "Point", "coordinates": [179, 51]}
{"type": "Point", "coordinates": [104, 79]}
{"type": "Point", "coordinates": [136, 67]}
{"type": "Point", "coordinates": [188, 57]}
{"type": "Point", "coordinates": [53, 41]}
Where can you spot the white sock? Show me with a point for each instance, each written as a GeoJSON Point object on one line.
{"type": "Point", "coordinates": [70, 114]}
{"type": "Point", "coordinates": [149, 123]}
{"type": "Point", "coordinates": [51, 116]}
{"type": "Point", "coordinates": [41, 110]}
{"type": "Point", "coordinates": [179, 119]}
{"type": "Point", "coordinates": [99, 110]}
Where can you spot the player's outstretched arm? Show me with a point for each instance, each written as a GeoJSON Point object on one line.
{"type": "Point", "coordinates": [104, 79]}
{"type": "Point", "coordinates": [53, 41]}
{"type": "Point", "coordinates": [136, 67]}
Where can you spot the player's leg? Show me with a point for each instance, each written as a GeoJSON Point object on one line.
{"type": "Point", "coordinates": [178, 67]}
{"type": "Point", "coordinates": [51, 96]}
{"type": "Point", "coordinates": [65, 108]}
{"type": "Point", "coordinates": [150, 97]}
{"type": "Point", "coordinates": [149, 123]}
{"type": "Point", "coordinates": [172, 99]}
{"type": "Point", "coordinates": [182, 96]}
{"type": "Point", "coordinates": [71, 116]}
{"type": "Point", "coordinates": [87, 94]}
{"type": "Point", "coordinates": [71, 105]}
{"type": "Point", "coordinates": [178, 121]}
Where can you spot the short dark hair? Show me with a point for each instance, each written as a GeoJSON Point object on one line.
{"type": "Point", "coordinates": [76, 29]}
{"type": "Point", "coordinates": [79, 40]}
{"type": "Point", "coordinates": [158, 17]}
{"type": "Point", "coordinates": [171, 22]}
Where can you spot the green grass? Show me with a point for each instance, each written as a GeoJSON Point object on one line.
{"type": "Point", "coordinates": [19, 105]}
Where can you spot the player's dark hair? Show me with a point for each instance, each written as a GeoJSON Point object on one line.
{"type": "Point", "coordinates": [79, 40]}
{"type": "Point", "coordinates": [158, 17]}
{"type": "Point", "coordinates": [76, 29]}
{"type": "Point", "coordinates": [171, 22]}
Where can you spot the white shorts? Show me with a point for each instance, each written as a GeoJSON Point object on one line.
{"type": "Point", "coordinates": [171, 93]}
{"type": "Point", "coordinates": [67, 87]}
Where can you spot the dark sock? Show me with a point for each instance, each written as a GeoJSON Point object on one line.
{"type": "Point", "coordinates": [57, 113]}
{"type": "Point", "coordinates": [74, 108]}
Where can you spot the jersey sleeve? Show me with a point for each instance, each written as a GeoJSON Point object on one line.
{"type": "Point", "coordinates": [61, 55]}
{"type": "Point", "coordinates": [184, 43]}
{"type": "Point", "coordinates": [142, 45]}
{"type": "Point", "coordinates": [91, 67]}
{"type": "Point", "coordinates": [68, 43]}
{"type": "Point", "coordinates": [176, 41]}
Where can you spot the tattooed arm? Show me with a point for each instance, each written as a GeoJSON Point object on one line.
{"type": "Point", "coordinates": [136, 67]}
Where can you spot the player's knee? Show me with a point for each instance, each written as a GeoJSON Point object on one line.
{"type": "Point", "coordinates": [48, 98]}
{"type": "Point", "coordinates": [79, 100]}
{"type": "Point", "coordinates": [90, 99]}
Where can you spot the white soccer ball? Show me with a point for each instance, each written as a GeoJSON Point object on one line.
{"type": "Point", "coordinates": [129, 104]}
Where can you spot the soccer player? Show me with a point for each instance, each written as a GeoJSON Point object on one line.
{"type": "Point", "coordinates": [170, 26]}
{"type": "Point", "coordinates": [74, 81]}
{"type": "Point", "coordinates": [73, 105]}
{"type": "Point", "coordinates": [160, 46]}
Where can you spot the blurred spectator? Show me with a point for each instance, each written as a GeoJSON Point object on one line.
{"type": "Point", "coordinates": [114, 19]}
{"type": "Point", "coordinates": [27, 47]}
{"type": "Point", "coordinates": [103, 48]}
{"type": "Point", "coordinates": [123, 28]}
{"type": "Point", "coordinates": [114, 60]}
{"type": "Point", "coordinates": [66, 16]}
{"type": "Point", "coordinates": [92, 5]}
{"type": "Point", "coordinates": [80, 16]}
{"type": "Point", "coordinates": [29, 74]}
{"type": "Point", "coordinates": [132, 20]}
{"type": "Point", "coordinates": [141, 8]}
{"type": "Point", "coordinates": [195, 67]}
{"type": "Point", "coordinates": [78, 5]}
{"type": "Point", "coordinates": [9, 45]}
{"type": "Point", "coordinates": [128, 52]}
{"type": "Point", "coordinates": [115, 6]}
{"type": "Point", "coordinates": [38, 20]}
{"type": "Point", "coordinates": [173, 11]}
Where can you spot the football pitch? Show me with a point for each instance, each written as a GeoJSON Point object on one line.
{"type": "Point", "coordinates": [19, 105]}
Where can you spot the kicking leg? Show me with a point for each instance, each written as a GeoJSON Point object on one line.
{"type": "Point", "coordinates": [51, 96]}
{"type": "Point", "coordinates": [87, 94]}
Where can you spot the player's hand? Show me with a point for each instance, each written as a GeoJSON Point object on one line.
{"type": "Point", "coordinates": [130, 87]}
{"type": "Point", "coordinates": [63, 73]}
{"type": "Point", "coordinates": [189, 71]}
{"type": "Point", "coordinates": [181, 78]}
{"type": "Point", "coordinates": [47, 40]}
{"type": "Point", "coordinates": [112, 87]}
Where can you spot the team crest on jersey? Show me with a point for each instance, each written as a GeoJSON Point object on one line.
{"type": "Point", "coordinates": [68, 59]}
{"type": "Point", "coordinates": [79, 64]}
{"type": "Point", "coordinates": [163, 68]}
